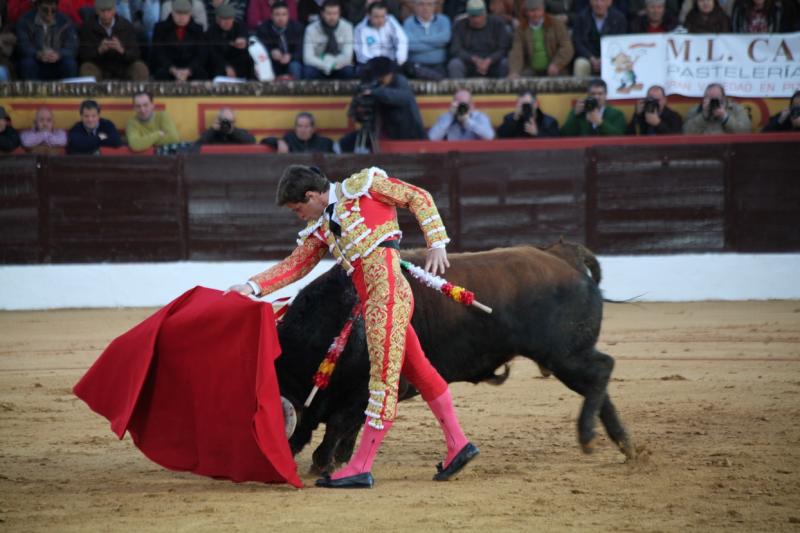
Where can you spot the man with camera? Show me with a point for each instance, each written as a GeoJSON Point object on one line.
{"type": "Point", "coordinates": [463, 122]}
{"type": "Point", "coordinates": [716, 114]}
{"type": "Point", "coordinates": [223, 131]}
{"type": "Point", "coordinates": [591, 115]}
{"type": "Point", "coordinates": [653, 117]}
{"type": "Point", "coordinates": [788, 119]}
{"type": "Point", "coordinates": [527, 120]}
{"type": "Point", "coordinates": [384, 105]}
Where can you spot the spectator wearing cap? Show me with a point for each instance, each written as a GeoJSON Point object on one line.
{"type": "Point", "coordinates": [590, 24]}
{"type": "Point", "coordinates": [92, 132]}
{"type": "Point", "coordinates": [149, 128]}
{"type": "Point", "coordinates": [655, 19]}
{"type": "Point", "coordinates": [303, 139]}
{"type": "Point", "coordinates": [197, 8]}
{"type": "Point", "coordinates": [593, 116]}
{"type": "Point", "coordinates": [328, 45]}
{"type": "Point", "coordinates": [717, 114]}
{"type": "Point", "coordinates": [788, 119]}
{"type": "Point", "coordinates": [480, 44]}
{"type": "Point", "coordinates": [527, 120]}
{"type": "Point", "coordinates": [463, 122]}
{"type": "Point", "coordinates": [179, 49]}
{"type": "Point", "coordinates": [542, 47]}
{"type": "Point", "coordinates": [47, 44]}
{"type": "Point", "coordinates": [283, 39]}
{"type": "Point", "coordinates": [396, 112]}
{"type": "Point", "coordinates": [379, 35]}
{"type": "Point", "coordinates": [9, 138]}
{"type": "Point", "coordinates": [227, 45]}
{"type": "Point", "coordinates": [653, 116]}
{"type": "Point", "coordinates": [43, 137]}
{"type": "Point", "coordinates": [428, 38]}
{"type": "Point", "coordinates": [108, 46]}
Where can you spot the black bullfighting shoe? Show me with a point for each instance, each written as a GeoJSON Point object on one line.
{"type": "Point", "coordinates": [358, 481]}
{"type": "Point", "coordinates": [467, 454]}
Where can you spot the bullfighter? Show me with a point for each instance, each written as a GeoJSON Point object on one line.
{"type": "Point", "coordinates": [356, 220]}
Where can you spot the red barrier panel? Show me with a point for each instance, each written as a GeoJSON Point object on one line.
{"type": "Point", "coordinates": [236, 149]}
{"type": "Point", "coordinates": [124, 150]}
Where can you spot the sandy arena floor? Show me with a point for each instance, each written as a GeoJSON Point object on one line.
{"type": "Point", "coordinates": [709, 391]}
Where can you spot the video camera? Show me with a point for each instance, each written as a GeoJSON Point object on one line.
{"type": "Point", "coordinates": [362, 106]}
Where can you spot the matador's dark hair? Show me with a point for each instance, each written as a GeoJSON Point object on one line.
{"type": "Point", "coordinates": [296, 181]}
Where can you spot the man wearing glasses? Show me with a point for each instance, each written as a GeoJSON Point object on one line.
{"type": "Point", "coordinates": [48, 43]}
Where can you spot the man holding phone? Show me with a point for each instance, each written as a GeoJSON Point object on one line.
{"type": "Point", "coordinates": [108, 46]}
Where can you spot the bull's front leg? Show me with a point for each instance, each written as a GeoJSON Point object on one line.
{"type": "Point", "coordinates": [341, 431]}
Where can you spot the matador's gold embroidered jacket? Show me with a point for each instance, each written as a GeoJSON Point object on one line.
{"type": "Point", "coordinates": [366, 206]}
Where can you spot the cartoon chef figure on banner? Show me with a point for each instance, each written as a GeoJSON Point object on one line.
{"type": "Point", "coordinates": [623, 62]}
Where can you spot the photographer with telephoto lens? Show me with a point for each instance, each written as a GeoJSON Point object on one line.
{"type": "Point", "coordinates": [593, 116]}
{"type": "Point", "coordinates": [788, 119]}
{"type": "Point", "coordinates": [462, 122]}
{"type": "Point", "coordinates": [717, 114]}
{"type": "Point", "coordinates": [652, 116]}
{"type": "Point", "coordinates": [224, 131]}
{"type": "Point", "coordinates": [527, 120]}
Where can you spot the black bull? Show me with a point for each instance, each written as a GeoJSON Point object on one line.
{"type": "Point", "coordinates": [547, 307]}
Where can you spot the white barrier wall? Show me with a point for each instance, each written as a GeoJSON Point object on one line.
{"type": "Point", "coordinates": [688, 277]}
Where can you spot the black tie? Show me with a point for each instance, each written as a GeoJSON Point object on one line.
{"type": "Point", "coordinates": [335, 227]}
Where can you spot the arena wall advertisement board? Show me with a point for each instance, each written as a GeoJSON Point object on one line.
{"type": "Point", "coordinates": [756, 65]}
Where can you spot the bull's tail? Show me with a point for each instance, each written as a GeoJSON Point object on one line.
{"type": "Point", "coordinates": [577, 255]}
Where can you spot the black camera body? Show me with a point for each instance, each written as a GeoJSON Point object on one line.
{"type": "Point", "coordinates": [651, 105]}
{"type": "Point", "coordinates": [225, 126]}
{"type": "Point", "coordinates": [714, 104]}
{"type": "Point", "coordinates": [526, 112]}
{"type": "Point", "coordinates": [590, 104]}
{"type": "Point", "coordinates": [794, 112]}
{"type": "Point", "coordinates": [462, 109]}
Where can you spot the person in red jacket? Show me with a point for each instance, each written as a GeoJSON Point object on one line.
{"type": "Point", "coordinates": [357, 221]}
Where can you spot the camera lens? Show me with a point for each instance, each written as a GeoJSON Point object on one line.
{"type": "Point", "coordinates": [462, 108]}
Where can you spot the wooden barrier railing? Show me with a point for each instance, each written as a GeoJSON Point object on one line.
{"type": "Point", "coordinates": [619, 195]}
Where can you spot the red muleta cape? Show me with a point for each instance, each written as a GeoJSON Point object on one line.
{"type": "Point", "coordinates": [195, 386]}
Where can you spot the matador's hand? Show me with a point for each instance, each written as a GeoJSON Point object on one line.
{"type": "Point", "coordinates": [244, 289]}
{"type": "Point", "coordinates": [436, 261]}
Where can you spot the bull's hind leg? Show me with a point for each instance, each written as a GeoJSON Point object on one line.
{"type": "Point", "coordinates": [615, 429]}
{"type": "Point", "coordinates": [586, 373]}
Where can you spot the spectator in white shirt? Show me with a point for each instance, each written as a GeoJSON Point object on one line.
{"type": "Point", "coordinates": [380, 34]}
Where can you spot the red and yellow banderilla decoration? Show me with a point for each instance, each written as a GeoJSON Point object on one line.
{"type": "Point", "coordinates": [461, 295]}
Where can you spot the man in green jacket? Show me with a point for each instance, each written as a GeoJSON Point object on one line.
{"type": "Point", "coordinates": [148, 127]}
{"type": "Point", "coordinates": [592, 116]}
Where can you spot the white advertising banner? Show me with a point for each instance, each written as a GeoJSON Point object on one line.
{"type": "Point", "coordinates": [749, 65]}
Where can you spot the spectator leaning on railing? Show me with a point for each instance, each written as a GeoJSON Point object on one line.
{"type": "Point", "coordinates": [9, 138]}
{"type": "Point", "coordinates": [462, 122]}
{"type": "Point", "coordinates": [304, 138]}
{"type": "Point", "coordinates": [428, 38]}
{"type": "Point", "coordinates": [717, 114]}
{"type": "Point", "coordinates": [788, 119]}
{"type": "Point", "coordinates": [328, 45]}
{"type": "Point", "coordinates": [480, 44]}
{"type": "Point", "coordinates": [148, 127]}
{"type": "Point", "coordinates": [542, 46]}
{"type": "Point", "coordinates": [91, 133]}
{"type": "Point", "coordinates": [108, 46]}
{"type": "Point", "coordinates": [653, 117]}
{"type": "Point", "coordinates": [47, 44]}
{"type": "Point", "coordinates": [44, 137]}
{"type": "Point", "coordinates": [593, 116]}
{"type": "Point", "coordinates": [528, 120]}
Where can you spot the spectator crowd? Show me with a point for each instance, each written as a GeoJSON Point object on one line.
{"type": "Point", "coordinates": [392, 103]}
{"type": "Point", "coordinates": [184, 40]}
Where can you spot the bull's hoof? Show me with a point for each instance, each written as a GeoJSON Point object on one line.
{"type": "Point", "coordinates": [544, 371]}
{"type": "Point", "coordinates": [318, 470]}
{"type": "Point", "coordinates": [589, 446]}
{"type": "Point", "coordinates": [627, 449]}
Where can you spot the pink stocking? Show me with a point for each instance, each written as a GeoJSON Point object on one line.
{"type": "Point", "coordinates": [442, 407]}
{"type": "Point", "coordinates": [362, 459]}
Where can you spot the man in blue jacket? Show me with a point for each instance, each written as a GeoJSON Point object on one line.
{"type": "Point", "coordinates": [47, 43]}
{"type": "Point", "coordinates": [92, 132]}
{"type": "Point", "coordinates": [428, 39]}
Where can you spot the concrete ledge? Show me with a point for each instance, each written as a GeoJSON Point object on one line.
{"type": "Point", "coordinates": [689, 277]}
